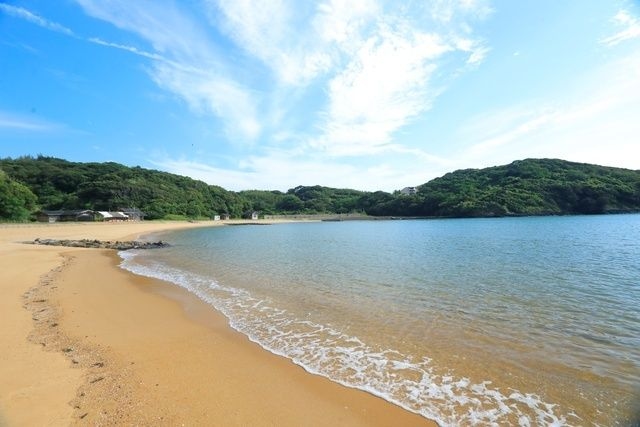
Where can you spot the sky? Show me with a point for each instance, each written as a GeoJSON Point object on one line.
{"type": "Point", "coordinates": [363, 94]}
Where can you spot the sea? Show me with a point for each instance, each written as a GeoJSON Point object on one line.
{"type": "Point", "coordinates": [531, 321]}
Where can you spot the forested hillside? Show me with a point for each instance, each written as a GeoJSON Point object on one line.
{"type": "Point", "coordinates": [59, 184]}
{"type": "Point", "coordinates": [301, 199]}
{"type": "Point", "coordinates": [524, 187]}
{"type": "Point", "coordinates": [50, 183]}
{"type": "Point", "coordinates": [532, 187]}
{"type": "Point", "coordinates": [527, 187]}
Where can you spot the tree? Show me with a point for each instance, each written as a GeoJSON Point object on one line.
{"type": "Point", "coordinates": [290, 203]}
{"type": "Point", "coordinates": [17, 202]}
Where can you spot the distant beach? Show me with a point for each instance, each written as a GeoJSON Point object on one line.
{"type": "Point", "coordinates": [83, 341]}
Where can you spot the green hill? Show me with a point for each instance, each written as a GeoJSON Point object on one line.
{"type": "Point", "coordinates": [60, 184]}
{"type": "Point", "coordinates": [526, 187]}
{"type": "Point", "coordinates": [532, 187]}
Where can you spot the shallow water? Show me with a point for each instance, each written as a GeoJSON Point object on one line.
{"type": "Point", "coordinates": [515, 321]}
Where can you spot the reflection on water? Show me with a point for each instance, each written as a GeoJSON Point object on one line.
{"type": "Point", "coordinates": [516, 321]}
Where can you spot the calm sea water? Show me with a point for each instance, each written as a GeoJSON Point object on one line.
{"type": "Point", "coordinates": [513, 321]}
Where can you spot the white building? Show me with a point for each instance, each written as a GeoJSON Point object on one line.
{"type": "Point", "coordinates": [409, 191]}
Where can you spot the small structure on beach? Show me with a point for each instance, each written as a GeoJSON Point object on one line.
{"type": "Point", "coordinates": [253, 215]}
{"type": "Point", "coordinates": [134, 214]}
{"type": "Point", "coordinates": [66, 215]}
{"type": "Point", "coordinates": [86, 215]}
{"type": "Point", "coordinates": [113, 216]}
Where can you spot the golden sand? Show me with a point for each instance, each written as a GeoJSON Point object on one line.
{"type": "Point", "coordinates": [84, 342]}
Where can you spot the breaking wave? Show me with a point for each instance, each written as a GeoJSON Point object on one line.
{"type": "Point", "coordinates": [404, 380]}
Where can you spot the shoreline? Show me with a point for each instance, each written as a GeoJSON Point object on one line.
{"type": "Point", "coordinates": [135, 350]}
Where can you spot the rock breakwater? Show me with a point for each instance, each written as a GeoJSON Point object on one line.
{"type": "Point", "coordinates": [100, 244]}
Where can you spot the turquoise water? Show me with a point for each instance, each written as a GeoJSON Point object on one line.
{"type": "Point", "coordinates": [513, 321]}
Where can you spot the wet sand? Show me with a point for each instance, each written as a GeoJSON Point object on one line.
{"type": "Point", "coordinates": [85, 342]}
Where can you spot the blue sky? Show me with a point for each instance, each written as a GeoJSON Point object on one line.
{"type": "Point", "coordinates": [364, 94]}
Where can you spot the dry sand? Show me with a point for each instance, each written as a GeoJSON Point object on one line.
{"type": "Point", "coordinates": [84, 342]}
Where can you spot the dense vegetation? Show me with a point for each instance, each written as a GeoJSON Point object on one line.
{"type": "Point", "coordinates": [532, 187]}
{"type": "Point", "coordinates": [17, 202]}
{"type": "Point", "coordinates": [310, 200]}
{"type": "Point", "coordinates": [527, 187]}
{"type": "Point", "coordinates": [59, 184]}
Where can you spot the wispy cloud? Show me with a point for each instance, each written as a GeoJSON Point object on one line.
{"type": "Point", "coordinates": [127, 48]}
{"type": "Point", "coordinates": [389, 78]}
{"type": "Point", "coordinates": [594, 121]}
{"type": "Point", "coordinates": [187, 61]}
{"type": "Point", "coordinates": [382, 88]}
{"type": "Point", "coordinates": [20, 122]}
{"type": "Point", "coordinates": [27, 15]}
{"type": "Point", "coordinates": [209, 93]}
{"type": "Point", "coordinates": [629, 27]}
{"type": "Point", "coordinates": [361, 71]}
{"type": "Point", "coordinates": [297, 41]}
{"type": "Point", "coordinates": [282, 170]}
{"type": "Point", "coordinates": [164, 25]}
{"type": "Point", "coordinates": [374, 60]}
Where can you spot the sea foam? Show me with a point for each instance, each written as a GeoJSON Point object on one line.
{"type": "Point", "coordinates": [404, 380]}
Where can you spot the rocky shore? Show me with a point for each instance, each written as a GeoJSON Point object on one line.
{"type": "Point", "coordinates": [100, 244]}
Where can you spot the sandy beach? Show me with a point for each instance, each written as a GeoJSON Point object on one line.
{"type": "Point", "coordinates": [85, 342]}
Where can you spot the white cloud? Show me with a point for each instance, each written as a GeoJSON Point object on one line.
{"type": "Point", "coordinates": [374, 59]}
{"type": "Point", "coordinates": [344, 23]}
{"type": "Point", "coordinates": [127, 48]}
{"type": "Point", "coordinates": [27, 15]}
{"type": "Point", "coordinates": [281, 171]}
{"type": "Point", "coordinates": [186, 63]}
{"type": "Point", "coordinates": [280, 34]}
{"type": "Point", "coordinates": [230, 179]}
{"type": "Point", "coordinates": [19, 122]}
{"type": "Point", "coordinates": [630, 29]}
{"type": "Point", "coordinates": [594, 122]}
{"type": "Point", "coordinates": [206, 92]}
{"type": "Point", "coordinates": [166, 27]}
{"type": "Point", "coordinates": [390, 57]}
{"type": "Point", "coordinates": [385, 85]}
{"type": "Point", "coordinates": [446, 11]}
{"type": "Point", "coordinates": [274, 171]}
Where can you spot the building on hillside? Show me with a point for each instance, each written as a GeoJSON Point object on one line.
{"type": "Point", "coordinates": [66, 215]}
{"type": "Point", "coordinates": [408, 191]}
{"type": "Point", "coordinates": [225, 216]}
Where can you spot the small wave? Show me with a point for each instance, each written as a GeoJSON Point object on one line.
{"type": "Point", "coordinates": [404, 380]}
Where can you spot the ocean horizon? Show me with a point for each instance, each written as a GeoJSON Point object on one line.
{"type": "Point", "coordinates": [512, 321]}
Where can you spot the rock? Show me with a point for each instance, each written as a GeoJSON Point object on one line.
{"type": "Point", "coordinates": [100, 244]}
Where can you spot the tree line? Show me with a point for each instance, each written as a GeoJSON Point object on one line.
{"type": "Point", "coordinates": [526, 187]}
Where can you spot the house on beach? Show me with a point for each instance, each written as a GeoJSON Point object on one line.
{"type": "Point", "coordinates": [253, 215]}
{"type": "Point", "coordinates": [113, 216]}
{"type": "Point", "coordinates": [134, 214]}
{"type": "Point", "coordinates": [66, 215]}
{"type": "Point", "coordinates": [52, 216]}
